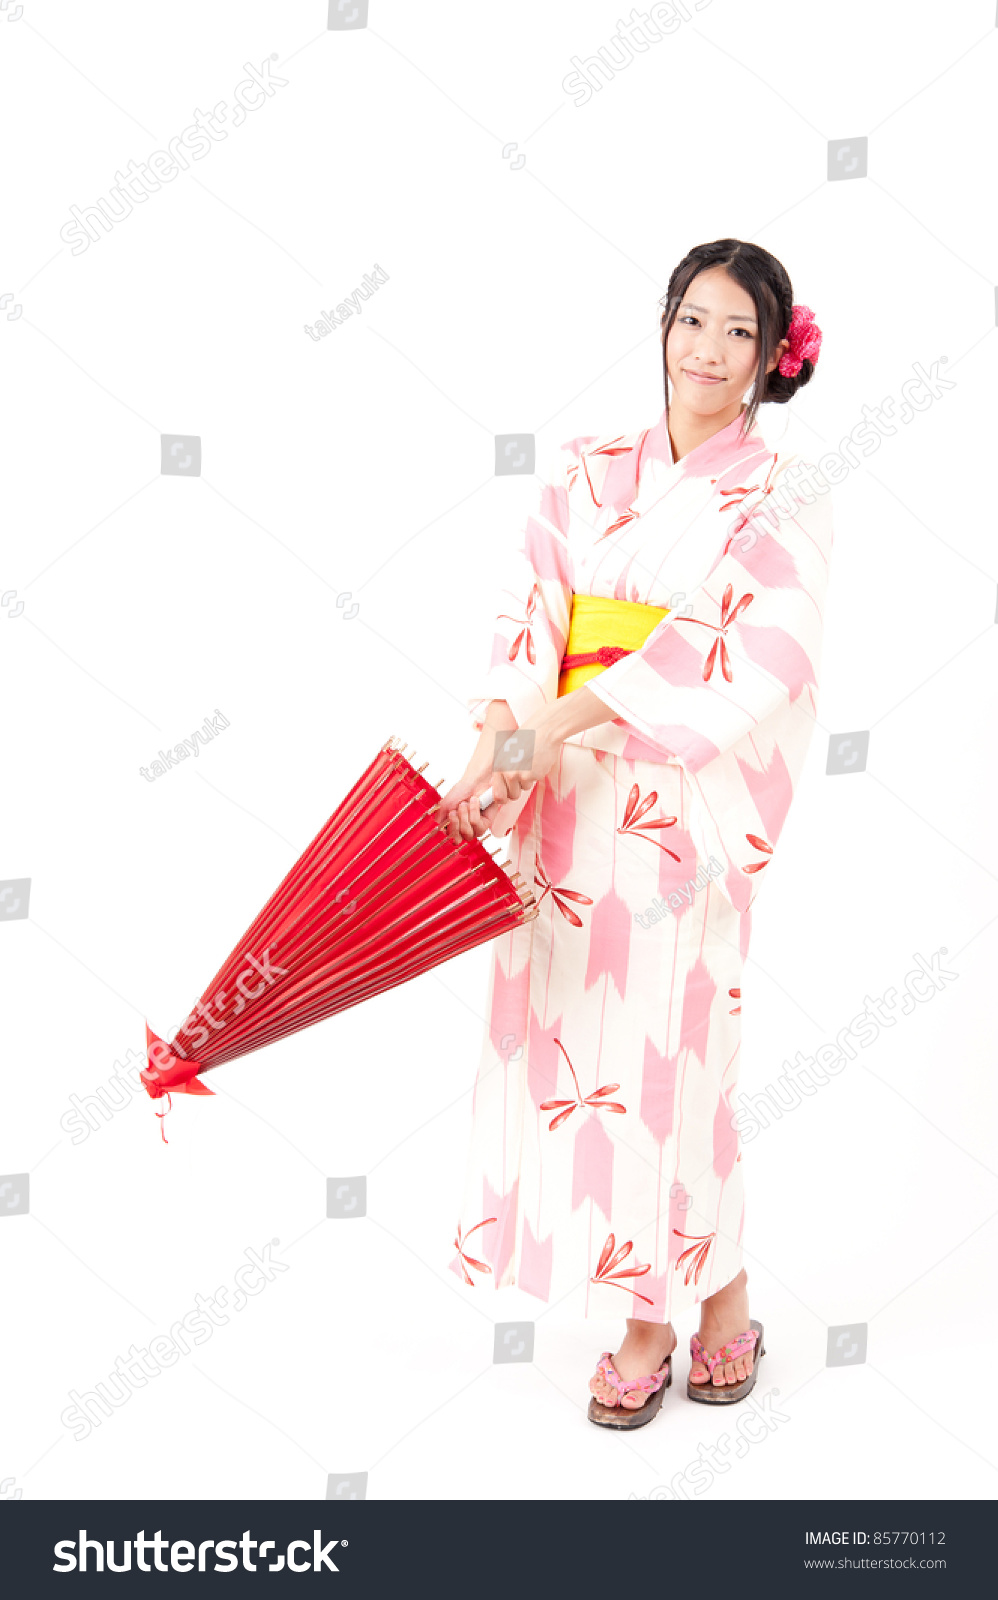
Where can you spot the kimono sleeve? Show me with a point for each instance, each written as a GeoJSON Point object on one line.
{"type": "Point", "coordinates": [533, 608]}
{"type": "Point", "coordinates": [746, 644]}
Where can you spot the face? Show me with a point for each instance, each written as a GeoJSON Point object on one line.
{"type": "Point", "coordinates": [713, 345]}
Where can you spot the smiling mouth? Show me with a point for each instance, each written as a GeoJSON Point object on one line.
{"type": "Point", "coordinates": [701, 377]}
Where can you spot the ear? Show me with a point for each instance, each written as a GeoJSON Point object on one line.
{"type": "Point", "coordinates": [781, 350]}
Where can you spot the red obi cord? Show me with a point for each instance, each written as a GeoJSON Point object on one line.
{"type": "Point", "coordinates": [605, 656]}
{"type": "Point", "coordinates": [167, 1072]}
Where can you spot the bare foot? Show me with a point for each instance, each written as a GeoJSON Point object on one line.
{"type": "Point", "coordinates": [645, 1347]}
{"type": "Point", "coordinates": [722, 1318]}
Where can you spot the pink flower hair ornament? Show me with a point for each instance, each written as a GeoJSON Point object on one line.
{"type": "Point", "coordinates": [805, 341]}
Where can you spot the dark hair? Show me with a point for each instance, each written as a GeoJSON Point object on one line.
{"type": "Point", "coordinates": [767, 281]}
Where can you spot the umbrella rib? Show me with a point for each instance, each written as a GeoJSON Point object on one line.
{"type": "Point", "coordinates": [356, 956]}
{"type": "Point", "coordinates": [256, 935]}
{"type": "Point", "coordinates": [314, 943]}
{"type": "Point", "coordinates": [378, 848]}
{"type": "Point", "coordinates": [321, 1010]}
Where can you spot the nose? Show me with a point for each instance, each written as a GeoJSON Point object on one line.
{"type": "Point", "coordinates": [705, 348]}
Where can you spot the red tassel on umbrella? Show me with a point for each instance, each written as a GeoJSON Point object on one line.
{"type": "Point", "coordinates": [379, 896]}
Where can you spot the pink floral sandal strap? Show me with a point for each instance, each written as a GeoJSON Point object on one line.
{"type": "Point", "coordinates": [744, 1343]}
{"type": "Point", "coordinates": [649, 1385]}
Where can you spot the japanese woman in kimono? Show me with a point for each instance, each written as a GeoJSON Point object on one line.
{"type": "Point", "coordinates": [657, 648]}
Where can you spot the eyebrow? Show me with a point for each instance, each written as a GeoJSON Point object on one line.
{"type": "Point", "coordinates": [692, 307]}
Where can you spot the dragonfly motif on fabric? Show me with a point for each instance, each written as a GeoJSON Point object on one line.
{"type": "Point", "coordinates": [525, 636]}
{"type": "Point", "coordinates": [597, 1101]}
{"type": "Point", "coordinates": [634, 812]}
{"type": "Point", "coordinates": [728, 615]}
{"type": "Point", "coordinates": [743, 494]}
{"type": "Point", "coordinates": [695, 1255]}
{"type": "Point", "coordinates": [609, 1259]}
{"type": "Point", "coordinates": [469, 1261]}
{"type": "Point", "coordinates": [560, 895]}
{"type": "Point", "coordinates": [758, 843]}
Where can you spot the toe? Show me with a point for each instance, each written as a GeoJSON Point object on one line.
{"type": "Point", "coordinates": [740, 1373]}
{"type": "Point", "coordinates": [633, 1400]}
{"type": "Point", "coordinates": [603, 1391]}
{"type": "Point", "coordinates": [698, 1372]}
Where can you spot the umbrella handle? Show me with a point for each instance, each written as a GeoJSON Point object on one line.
{"type": "Point", "coordinates": [486, 799]}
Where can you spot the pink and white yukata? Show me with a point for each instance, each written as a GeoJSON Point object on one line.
{"type": "Point", "coordinates": [602, 1154]}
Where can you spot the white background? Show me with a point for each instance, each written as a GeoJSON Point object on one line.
{"type": "Point", "coordinates": [518, 299]}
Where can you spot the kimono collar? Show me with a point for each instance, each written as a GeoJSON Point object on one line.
{"type": "Point", "coordinates": [722, 449]}
{"type": "Point", "coordinates": [638, 476]}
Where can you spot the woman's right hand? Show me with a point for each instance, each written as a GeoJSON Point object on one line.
{"type": "Point", "coordinates": [458, 811]}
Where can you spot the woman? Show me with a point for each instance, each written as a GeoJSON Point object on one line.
{"type": "Point", "coordinates": [642, 799]}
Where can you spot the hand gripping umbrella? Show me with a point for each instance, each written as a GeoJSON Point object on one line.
{"type": "Point", "coordinates": [379, 896]}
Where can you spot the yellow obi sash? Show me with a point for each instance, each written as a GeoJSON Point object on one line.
{"type": "Point", "coordinates": [597, 621]}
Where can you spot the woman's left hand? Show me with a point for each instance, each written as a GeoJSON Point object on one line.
{"type": "Point", "coordinates": [458, 813]}
{"type": "Point", "coordinates": [525, 763]}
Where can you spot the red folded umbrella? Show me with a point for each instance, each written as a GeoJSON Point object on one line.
{"type": "Point", "coordinates": [379, 896]}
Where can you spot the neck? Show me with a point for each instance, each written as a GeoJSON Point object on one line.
{"type": "Point", "coordinates": [687, 429]}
